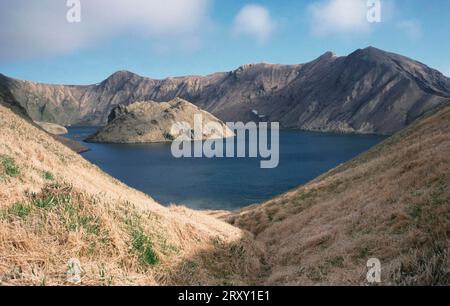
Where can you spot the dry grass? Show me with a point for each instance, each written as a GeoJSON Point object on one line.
{"type": "Point", "coordinates": [392, 203]}
{"type": "Point", "coordinates": [55, 206]}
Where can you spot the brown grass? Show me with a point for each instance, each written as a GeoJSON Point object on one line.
{"type": "Point", "coordinates": [392, 203]}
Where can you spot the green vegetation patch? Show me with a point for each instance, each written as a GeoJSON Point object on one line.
{"type": "Point", "coordinates": [20, 210]}
{"type": "Point", "coordinates": [10, 169]}
{"type": "Point", "coordinates": [141, 243]}
{"type": "Point", "coordinates": [48, 176]}
{"type": "Point", "coordinates": [52, 195]}
{"type": "Point", "coordinates": [75, 219]}
{"type": "Point", "coordinates": [144, 246]}
{"type": "Point", "coordinates": [67, 204]}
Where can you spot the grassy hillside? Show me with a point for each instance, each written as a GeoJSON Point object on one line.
{"type": "Point", "coordinates": [55, 206]}
{"type": "Point", "coordinates": [392, 203]}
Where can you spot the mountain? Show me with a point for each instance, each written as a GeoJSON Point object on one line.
{"type": "Point", "coordinates": [149, 122]}
{"type": "Point", "coordinates": [368, 91]}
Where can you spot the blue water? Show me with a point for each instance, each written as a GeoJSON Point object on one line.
{"type": "Point", "coordinates": [223, 183]}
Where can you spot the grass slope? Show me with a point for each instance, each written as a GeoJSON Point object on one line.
{"type": "Point", "coordinates": [392, 203]}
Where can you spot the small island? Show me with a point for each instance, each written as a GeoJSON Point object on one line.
{"type": "Point", "coordinates": [152, 122]}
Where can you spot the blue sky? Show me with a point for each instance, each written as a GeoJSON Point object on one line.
{"type": "Point", "coordinates": [184, 37]}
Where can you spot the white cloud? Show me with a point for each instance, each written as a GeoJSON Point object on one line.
{"type": "Point", "coordinates": [254, 20]}
{"type": "Point", "coordinates": [339, 16]}
{"type": "Point", "coordinates": [412, 29]}
{"type": "Point", "coordinates": [39, 28]}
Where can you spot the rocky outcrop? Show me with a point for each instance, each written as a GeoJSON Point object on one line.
{"type": "Point", "coordinates": [149, 122]}
{"type": "Point", "coordinates": [71, 144]}
{"type": "Point", "coordinates": [52, 128]}
{"type": "Point", "coordinates": [57, 131]}
{"type": "Point", "coordinates": [368, 91]}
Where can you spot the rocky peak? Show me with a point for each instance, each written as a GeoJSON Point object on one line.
{"type": "Point", "coordinates": [122, 74]}
{"type": "Point", "coordinates": [118, 79]}
{"type": "Point", "coordinates": [327, 55]}
{"type": "Point", "coordinates": [375, 55]}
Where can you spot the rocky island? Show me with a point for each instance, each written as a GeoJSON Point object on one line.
{"type": "Point", "coordinates": [152, 122]}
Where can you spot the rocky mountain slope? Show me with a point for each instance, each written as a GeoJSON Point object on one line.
{"type": "Point", "coordinates": [368, 91]}
{"type": "Point", "coordinates": [147, 122]}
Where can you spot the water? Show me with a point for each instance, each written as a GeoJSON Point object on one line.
{"type": "Point", "coordinates": [223, 183]}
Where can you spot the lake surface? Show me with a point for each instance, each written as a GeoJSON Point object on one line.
{"type": "Point", "coordinates": [203, 183]}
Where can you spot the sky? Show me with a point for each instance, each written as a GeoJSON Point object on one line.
{"type": "Point", "coordinates": [84, 41]}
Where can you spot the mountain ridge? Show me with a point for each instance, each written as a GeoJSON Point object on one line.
{"type": "Point", "coordinates": [368, 91]}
